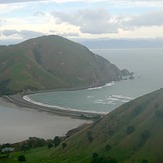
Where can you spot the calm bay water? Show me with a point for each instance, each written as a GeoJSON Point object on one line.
{"type": "Point", "coordinates": [145, 63]}
{"type": "Point", "coordinates": [20, 123]}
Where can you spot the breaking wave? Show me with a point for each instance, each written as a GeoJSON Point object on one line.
{"type": "Point", "coordinates": [27, 98]}
{"type": "Point", "coordinates": [106, 85]}
{"type": "Point", "coordinates": [112, 99]}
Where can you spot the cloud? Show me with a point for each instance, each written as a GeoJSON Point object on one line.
{"type": "Point", "coordinates": [24, 1]}
{"type": "Point", "coordinates": [25, 34]}
{"type": "Point", "coordinates": [29, 33]}
{"type": "Point", "coordinates": [17, 1]}
{"type": "Point", "coordinates": [39, 13]}
{"type": "Point", "coordinates": [92, 21]}
{"type": "Point", "coordinates": [9, 32]}
{"type": "Point", "coordinates": [71, 34]}
{"type": "Point", "coordinates": [92, 18]}
{"type": "Point", "coordinates": [154, 18]}
{"type": "Point", "coordinates": [65, 34]}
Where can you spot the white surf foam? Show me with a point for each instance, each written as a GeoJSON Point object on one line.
{"type": "Point", "coordinates": [113, 99]}
{"type": "Point", "coordinates": [106, 85]}
{"type": "Point", "coordinates": [27, 98]}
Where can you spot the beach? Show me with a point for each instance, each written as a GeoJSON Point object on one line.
{"type": "Point", "coordinates": [20, 120]}
{"type": "Point", "coordinates": [22, 101]}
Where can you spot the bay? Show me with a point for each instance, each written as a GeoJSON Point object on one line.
{"type": "Point", "coordinates": [146, 65]}
{"type": "Point", "coordinates": [18, 124]}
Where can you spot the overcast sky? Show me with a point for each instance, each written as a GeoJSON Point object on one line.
{"type": "Point", "coordinates": [24, 19]}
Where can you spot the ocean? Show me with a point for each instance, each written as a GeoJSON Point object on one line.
{"type": "Point", "coordinates": [148, 73]}
{"type": "Point", "coordinates": [19, 123]}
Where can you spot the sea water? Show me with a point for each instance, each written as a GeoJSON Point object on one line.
{"type": "Point", "coordinates": [20, 123]}
{"type": "Point", "coordinates": [147, 65]}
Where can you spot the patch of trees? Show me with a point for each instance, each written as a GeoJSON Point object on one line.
{"type": "Point", "coordinates": [102, 159]}
{"type": "Point", "coordinates": [34, 142]}
{"type": "Point", "coordinates": [3, 88]}
{"type": "Point", "coordinates": [5, 145]}
{"type": "Point", "coordinates": [21, 158]}
{"type": "Point", "coordinates": [56, 142]}
{"type": "Point", "coordinates": [50, 145]}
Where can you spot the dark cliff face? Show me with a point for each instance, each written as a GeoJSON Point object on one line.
{"type": "Point", "coordinates": [125, 72]}
{"type": "Point", "coordinates": [51, 62]}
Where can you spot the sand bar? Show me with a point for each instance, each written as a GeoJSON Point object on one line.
{"type": "Point", "coordinates": [19, 101]}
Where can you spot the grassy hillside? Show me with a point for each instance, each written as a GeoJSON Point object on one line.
{"type": "Point", "coordinates": [51, 62]}
{"type": "Point", "coordinates": [132, 133]}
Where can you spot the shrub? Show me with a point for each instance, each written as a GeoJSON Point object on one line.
{"type": "Point", "coordinates": [145, 135]}
{"type": "Point", "coordinates": [101, 159]}
{"type": "Point", "coordinates": [108, 147]}
{"type": "Point", "coordinates": [56, 141]}
{"type": "Point", "coordinates": [50, 145]}
{"type": "Point", "coordinates": [89, 136]}
{"type": "Point", "coordinates": [130, 129]}
{"type": "Point", "coordinates": [137, 110]}
{"type": "Point", "coordinates": [64, 145]}
{"type": "Point", "coordinates": [21, 158]}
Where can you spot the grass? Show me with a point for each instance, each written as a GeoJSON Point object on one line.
{"type": "Point", "coordinates": [52, 62]}
{"type": "Point", "coordinates": [136, 146]}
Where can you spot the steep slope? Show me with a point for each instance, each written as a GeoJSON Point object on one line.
{"type": "Point", "coordinates": [131, 133]}
{"type": "Point", "coordinates": [51, 62]}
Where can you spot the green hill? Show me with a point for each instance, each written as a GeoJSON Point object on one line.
{"type": "Point", "coordinates": [131, 133]}
{"type": "Point", "coordinates": [51, 62]}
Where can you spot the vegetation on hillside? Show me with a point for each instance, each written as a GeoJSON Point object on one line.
{"type": "Point", "coordinates": [52, 62]}
{"type": "Point", "coordinates": [131, 133]}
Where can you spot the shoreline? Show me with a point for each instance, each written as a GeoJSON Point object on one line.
{"type": "Point", "coordinates": [19, 101]}
{"type": "Point", "coordinates": [20, 123]}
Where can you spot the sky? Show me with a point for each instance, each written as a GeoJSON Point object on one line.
{"type": "Point", "coordinates": [81, 19]}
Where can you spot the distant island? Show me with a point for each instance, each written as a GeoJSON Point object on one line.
{"type": "Point", "coordinates": [53, 62]}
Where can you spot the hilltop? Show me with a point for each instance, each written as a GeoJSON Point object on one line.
{"type": "Point", "coordinates": [52, 62]}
